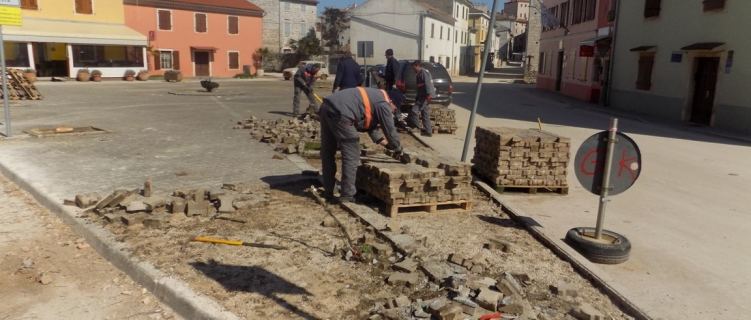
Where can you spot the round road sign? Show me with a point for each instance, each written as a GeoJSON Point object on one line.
{"type": "Point", "coordinates": [589, 163]}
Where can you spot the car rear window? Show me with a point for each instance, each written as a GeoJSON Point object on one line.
{"type": "Point", "coordinates": [436, 70]}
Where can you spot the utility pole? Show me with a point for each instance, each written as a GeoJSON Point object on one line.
{"type": "Point", "coordinates": [532, 52]}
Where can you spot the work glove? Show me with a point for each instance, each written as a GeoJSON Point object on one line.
{"type": "Point", "coordinates": [405, 158]}
{"type": "Point", "coordinates": [428, 99]}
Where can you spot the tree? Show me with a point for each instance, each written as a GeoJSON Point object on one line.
{"type": "Point", "coordinates": [334, 22]}
{"type": "Point", "coordinates": [260, 55]}
{"type": "Point", "coordinates": [308, 45]}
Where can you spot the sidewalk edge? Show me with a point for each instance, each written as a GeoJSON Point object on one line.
{"type": "Point", "coordinates": [171, 291]}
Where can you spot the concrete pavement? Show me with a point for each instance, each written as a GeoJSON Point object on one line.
{"type": "Point", "coordinates": [686, 216]}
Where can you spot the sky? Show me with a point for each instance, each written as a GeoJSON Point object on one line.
{"type": "Point", "coordinates": [343, 3]}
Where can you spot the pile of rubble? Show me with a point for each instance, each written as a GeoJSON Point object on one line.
{"type": "Point", "coordinates": [521, 157]}
{"type": "Point", "coordinates": [291, 136]}
{"type": "Point", "coordinates": [443, 119]}
{"type": "Point", "coordinates": [428, 180]}
{"type": "Point", "coordinates": [138, 206]}
{"type": "Point", "coordinates": [461, 288]}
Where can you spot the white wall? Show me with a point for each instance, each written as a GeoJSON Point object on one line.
{"type": "Point", "coordinates": [390, 24]}
{"type": "Point", "coordinates": [461, 25]}
{"type": "Point", "coordinates": [437, 44]}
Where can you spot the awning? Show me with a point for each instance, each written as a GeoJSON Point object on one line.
{"type": "Point", "coordinates": [705, 46]}
{"type": "Point", "coordinates": [41, 30]}
{"type": "Point", "coordinates": [593, 40]}
{"type": "Point", "coordinates": [644, 49]}
{"type": "Point", "coordinates": [204, 48]}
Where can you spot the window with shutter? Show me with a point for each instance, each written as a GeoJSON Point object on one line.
{"type": "Point", "coordinates": [644, 77]}
{"type": "Point", "coordinates": [164, 19]}
{"type": "Point", "coordinates": [652, 8]}
{"type": "Point", "coordinates": [233, 25]}
{"type": "Point", "coordinates": [175, 60]}
{"type": "Point", "coordinates": [711, 5]}
{"type": "Point", "coordinates": [303, 29]}
{"type": "Point", "coordinates": [287, 28]}
{"type": "Point", "coordinates": [200, 23]}
{"type": "Point", "coordinates": [234, 60]}
{"type": "Point", "coordinates": [29, 4]}
{"type": "Point", "coordinates": [84, 7]}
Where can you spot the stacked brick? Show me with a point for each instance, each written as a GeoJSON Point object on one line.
{"type": "Point", "coordinates": [429, 180]}
{"type": "Point", "coordinates": [443, 119]}
{"type": "Point", "coordinates": [289, 136]}
{"type": "Point", "coordinates": [521, 157]}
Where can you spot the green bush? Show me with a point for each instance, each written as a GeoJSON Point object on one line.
{"type": "Point", "coordinates": [245, 76]}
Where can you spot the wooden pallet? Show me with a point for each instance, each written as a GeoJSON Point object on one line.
{"type": "Point", "coordinates": [427, 209]}
{"type": "Point", "coordinates": [438, 130]}
{"type": "Point", "coordinates": [563, 190]}
{"type": "Point", "coordinates": [19, 86]}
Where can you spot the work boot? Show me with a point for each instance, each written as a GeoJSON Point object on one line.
{"type": "Point", "coordinates": [346, 199]}
{"type": "Point", "coordinates": [427, 134]}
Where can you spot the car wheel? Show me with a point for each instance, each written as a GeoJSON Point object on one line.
{"type": "Point", "coordinates": [286, 78]}
{"type": "Point", "coordinates": [612, 248]}
{"type": "Point", "coordinates": [446, 104]}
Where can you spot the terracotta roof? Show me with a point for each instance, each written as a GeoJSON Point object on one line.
{"type": "Point", "coordinates": [232, 4]}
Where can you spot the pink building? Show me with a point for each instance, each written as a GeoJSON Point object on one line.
{"type": "Point", "coordinates": [574, 56]}
{"type": "Point", "coordinates": [201, 38]}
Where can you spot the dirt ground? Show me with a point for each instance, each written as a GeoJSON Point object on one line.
{"type": "Point", "coordinates": [83, 285]}
{"type": "Point", "coordinates": [310, 279]}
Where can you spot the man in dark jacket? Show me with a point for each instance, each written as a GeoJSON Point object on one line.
{"type": "Point", "coordinates": [305, 78]}
{"type": "Point", "coordinates": [347, 73]}
{"type": "Point", "coordinates": [391, 75]}
{"type": "Point", "coordinates": [343, 115]}
{"type": "Point", "coordinates": [425, 93]}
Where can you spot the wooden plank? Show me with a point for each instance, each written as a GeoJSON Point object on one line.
{"type": "Point", "coordinates": [393, 210]}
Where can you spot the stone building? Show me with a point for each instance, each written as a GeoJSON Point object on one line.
{"type": "Point", "coordinates": [285, 20]}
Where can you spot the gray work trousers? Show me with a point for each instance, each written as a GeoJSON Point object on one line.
{"type": "Point", "coordinates": [421, 107]}
{"type": "Point", "coordinates": [296, 100]}
{"type": "Point", "coordinates": [334, 131]}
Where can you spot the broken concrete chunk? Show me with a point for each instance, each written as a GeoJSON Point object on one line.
{"type": "Point", "coordinates": [329, 222]}
{"type": "Point", "coordinates": [466, 301]}
{"type": "Point", "coordinates": [117, 200]}
{"type": "Point", "coordinates": [478, 268]}
{"type": "Point", "coordinates": [112, 217]}
{"type": "Point", "coordinates": [406, 265]}
{"type": "Point", "coordinates": [136, 206]}
{"type": "Point", "coordinates": [481, 283]}
{"type": "Point", "coordinates": [216, 193]}
{"type": "Point", "coordinates": [435, 306]}
{"type": "Point", "coordinates": [153, 222]}
{"type": "Point", "coordinates": [225, 204]}
{"type": "Point", "coordinates": [400, 278]}
{"type": "Point", "coordinates": [419, 313]}
{"type": "Point", "coordinates": [516, 286]}
{"type": "Point", "coordinates": [198, 208]}
{"type": "Point", "coordinates": [199, 195]}
{"type": "Point", "coordinates": [501, 244]}
{"type": "Point", "coordinates": [456, 259]}
{"type": "Point", "coordinates": [69, 202]}
{"type": "Point", "coordinates": [277, 156]}
{"type": "Point", "coordinates": [489, 299]}
{"type": "Point", "coordinates": [87, 200]}
{"type": "Point", "coordinates": [105, 201]}
{"type": "Point", "coordinates": [586, 311]}
{"type": "Point", "coordinates": [178, 206]}
{"type": "Point", "coordinates": [450, 312]}
{"type": "Point", "coordinates": [512, 304]}
{"type": "Point", "coordinates": [133, 219]}
{"type": "Point", "coordinates": [147, 188]}
{"type": "Point", "coordinates": [565, 289]}
{"type": "Point", "coordinates": [154, 202]}
{"type": "Point", "coordinates": [401, 301]}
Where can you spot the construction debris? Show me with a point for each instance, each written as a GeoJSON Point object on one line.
{"type": "Point", "coordinates": [19, 87]}
{"type": "Point", "coordinates": [290, 136]}
{"type": "Point", "coordinates": [521, 157]}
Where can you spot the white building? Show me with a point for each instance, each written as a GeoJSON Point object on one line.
{"type": "Point", "coordinates": [414, 30]}
{"type": "Point", "coordinates": [684, 60]}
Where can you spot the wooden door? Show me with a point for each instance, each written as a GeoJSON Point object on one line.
{"type": "Point", "coordinates": [201, 59]}
{"type": "Point", "coordinates": [705, 80]}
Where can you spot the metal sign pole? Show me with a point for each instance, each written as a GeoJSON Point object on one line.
{"type": "Point", "coordinates": [470, 126]}
{"type": "Point", "coordinates": [5, 84]}
{"type": "Point", "coordinates": [604, 198]}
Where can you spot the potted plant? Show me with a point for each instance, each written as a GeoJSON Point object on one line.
{"type": "Point", "coordinates": [31, 75]}
{"type": "Point", "coordinates": [96, 75]}
{"type": "Point", "coordinates": [130, 75]}
{"type": "Point", "coordinates": [261, 54]}
{"type": "Point", "coordinates": [173, 75]}
{"type": "Point", "coordinates": [143, 75]}
{"type": "Point", "coordinates": [83, 75]}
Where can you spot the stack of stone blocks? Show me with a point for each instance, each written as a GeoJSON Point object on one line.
{"type": "Point", "coordinates": [512, 157]}
{"type": "Point", "coordinates": [429, 182]}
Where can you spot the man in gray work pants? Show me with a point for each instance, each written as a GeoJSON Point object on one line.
{"type": "Point", "coordinates": [343, 115]}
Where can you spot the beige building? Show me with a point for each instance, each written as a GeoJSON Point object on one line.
{"type": "Point", "coordinates": [685, 60]}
